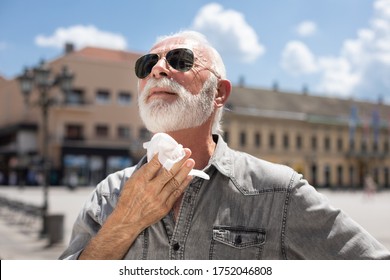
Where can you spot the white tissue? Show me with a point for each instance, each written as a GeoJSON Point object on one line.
{"type": "Point", "coordinates": [169, 152]}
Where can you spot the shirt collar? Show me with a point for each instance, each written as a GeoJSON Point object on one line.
{"type": "Point", "coordinates": [222, 158]}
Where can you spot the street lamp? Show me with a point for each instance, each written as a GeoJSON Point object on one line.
{"type": "Point", "coordinates": [40, 78]}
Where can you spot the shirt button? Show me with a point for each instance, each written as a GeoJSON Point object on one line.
{"type": "Point", "coordinates": [176, 247]}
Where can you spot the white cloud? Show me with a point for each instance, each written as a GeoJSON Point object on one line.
{"type": "Point", "coordinates": [297, 59]}
{"type": "Point", "coordinates": [337, 76]}
{"type": "Point", "coordinates": [306, 28]}
{"type": "Point", "coordinates": [81, 36]}
{"type": "Point", "coordinates": [362, 68]}
{"type": "Point", "coordinates": [229, 32]}
{"type": "Point", "coordinates": [368, 56]}
{"type": "Point", "coordinates": [383, 8]}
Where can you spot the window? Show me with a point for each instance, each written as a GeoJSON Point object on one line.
{"type": "Point", "coordinates": [102, 97]}
{"type": "Point", "coordinates": [352, 145]}
{"type": "Point", "coordinates": [144, 134]}
{"type": "Point", "coordinates": [115, 163]}
{"type": "Point", "coordinates": [74, 97]}
{"type": "Point", "coordinates": [386, 177]}
{"type": "Point", "coordinates": [101, 130]}
{"type": "Point", "coordinates": [313, 174]}
{"type": "Point", "coordinates": [272, 140]}
{"type": "Point", "coordinates": [242, 139]}
{"type": "Point", "coordinates": [124, 98]}
{"type": "Point", "coordinates": [327, 175]}
{"type": "Point", "coordinates": [285, 141]}
{"type": "Point", "coordinates": [375, 147]}
{"type": "Point", "coordinates": [340, 144]}
{"type": "Point", "coordinates": [314, 142]}
{"type": "Point", "coordinates": [74, 132]}
{"type": "Point", "coordinates": [299, 142]}
{"type": "Point", "coordinates": [339, 175]}
{"type": "Point", "coordinates": [124, 132]}
{"type": "Point", "coordinates": [257, 140]}
{"type": "Point", "coordinates": [327, 143]}
{"type": "Point", "coordinates": [386, 147]}
{"type": "Point", "coordinates": [351, 176]}
{"type": "Point", "coordinates": [376, 174]}
{"type": "Point", "coordinates": [364, 146]}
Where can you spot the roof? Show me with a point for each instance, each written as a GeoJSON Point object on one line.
{"type": "Point", "coordinates": [106, 54]}
{"type": "Point", "coordinates": [276, 104]}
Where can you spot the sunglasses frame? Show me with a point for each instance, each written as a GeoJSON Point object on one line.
{"type": "Point", "coordinates": [151, 59]}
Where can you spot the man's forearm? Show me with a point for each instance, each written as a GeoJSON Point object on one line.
{"type": "Point", "coordinates": [112, 241]}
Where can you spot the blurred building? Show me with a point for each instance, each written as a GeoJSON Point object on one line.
{"type": "Point", "coordinates": [95, 129]}
{"type": "Point", "coordinates": [333, 142]}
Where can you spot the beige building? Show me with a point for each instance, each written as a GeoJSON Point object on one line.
{"type": "Point", "coordinates": [95, 129]}
{"type": "Point", "coordinates": [333, 142]}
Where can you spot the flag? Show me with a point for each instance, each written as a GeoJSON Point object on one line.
{"type": "Point", "coordinates": [366, 128]}
{"type": "Point", "coordinates": [375, 122]}
{"type": "Point", "coordinates": [353, 122]}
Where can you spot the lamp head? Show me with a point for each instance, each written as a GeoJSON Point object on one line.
{"type": "Point", "coordinates": [26, 83]}
{"type": "Point", "coordinates": [65, 79]}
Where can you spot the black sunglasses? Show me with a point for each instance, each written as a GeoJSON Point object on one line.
{"type": "Point", "coordinates": [181, 59]}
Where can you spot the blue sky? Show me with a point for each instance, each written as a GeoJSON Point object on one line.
{"type": "Point", "coordinates": [333, 47]}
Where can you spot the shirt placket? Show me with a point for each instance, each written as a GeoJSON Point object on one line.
{"type": "Point", "coordinates": [183, 222]}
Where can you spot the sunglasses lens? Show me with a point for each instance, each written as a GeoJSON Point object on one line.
{"type": "Point", "coordinates": [181, 59]}
{"type": "Point", "coordinates": [144, 65]}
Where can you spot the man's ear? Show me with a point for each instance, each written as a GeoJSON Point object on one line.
{"type": "Point", "coordinates": [224, 89]}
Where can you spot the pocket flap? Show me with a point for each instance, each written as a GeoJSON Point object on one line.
{"type": "Point", "coordinates": [239, 237]}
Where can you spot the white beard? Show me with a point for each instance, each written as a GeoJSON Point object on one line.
{"type": "Point", "coordinates": [186, 112]}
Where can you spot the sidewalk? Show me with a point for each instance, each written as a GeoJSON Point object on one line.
{"type": "Point", "coordinates": [22, 242]}
{"type": "Point", "coordinates": [18, 242]}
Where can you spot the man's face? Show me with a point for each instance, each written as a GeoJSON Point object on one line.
{"type": "Point", "coordinates": [170, 100]}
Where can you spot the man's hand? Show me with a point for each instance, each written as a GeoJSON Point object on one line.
{"type": "Point", "coordinates": [150, 192]}
{"type": "Point", "coordinates": [146, 198]}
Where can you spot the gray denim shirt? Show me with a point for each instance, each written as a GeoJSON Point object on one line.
{"type": "Point", "coordinates": [249, 209]}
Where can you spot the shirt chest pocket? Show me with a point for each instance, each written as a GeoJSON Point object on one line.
{"type": "Point", "coordinates": [236, 243]}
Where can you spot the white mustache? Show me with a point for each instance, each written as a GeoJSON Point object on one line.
{"type": "Point", "coordinates": [172, 85]}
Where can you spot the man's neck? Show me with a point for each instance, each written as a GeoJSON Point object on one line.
{"type": "Point", "coordinates": [200, 141]}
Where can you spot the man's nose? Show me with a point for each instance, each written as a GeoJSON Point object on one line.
{"type": "Point", "coordinates": [160, 69]}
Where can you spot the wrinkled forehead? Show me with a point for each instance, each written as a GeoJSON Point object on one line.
{"type": "Point", "coordinates": [200, 51]}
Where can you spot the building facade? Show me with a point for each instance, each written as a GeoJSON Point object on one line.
{"type": "Point", "coordinates": [96, 129]}
{"type": "Point", "coordinates": [93, 131]}
{"type": "Point", "coordinates": [334, 143]}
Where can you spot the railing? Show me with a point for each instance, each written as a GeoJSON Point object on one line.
{"type": "Point", "coordinates": [29, 216]}
{"type": "Point", "coordinates": [19, 212]}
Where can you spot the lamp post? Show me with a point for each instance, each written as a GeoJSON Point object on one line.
{"type": "Point", "coordinates": [39, 78]}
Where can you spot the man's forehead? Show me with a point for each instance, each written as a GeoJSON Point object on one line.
{"type": "Point", "coordinates": [174, 43]}
{"type": "Point", "coordinates": [168, 44]}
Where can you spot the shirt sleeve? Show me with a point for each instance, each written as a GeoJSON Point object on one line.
{"type": "Point", "coordinates": [314, 229]}
{"type": "Point", "coordinates": [98, 206]}
{"type": "Point", "coordinates": [85, 227]}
